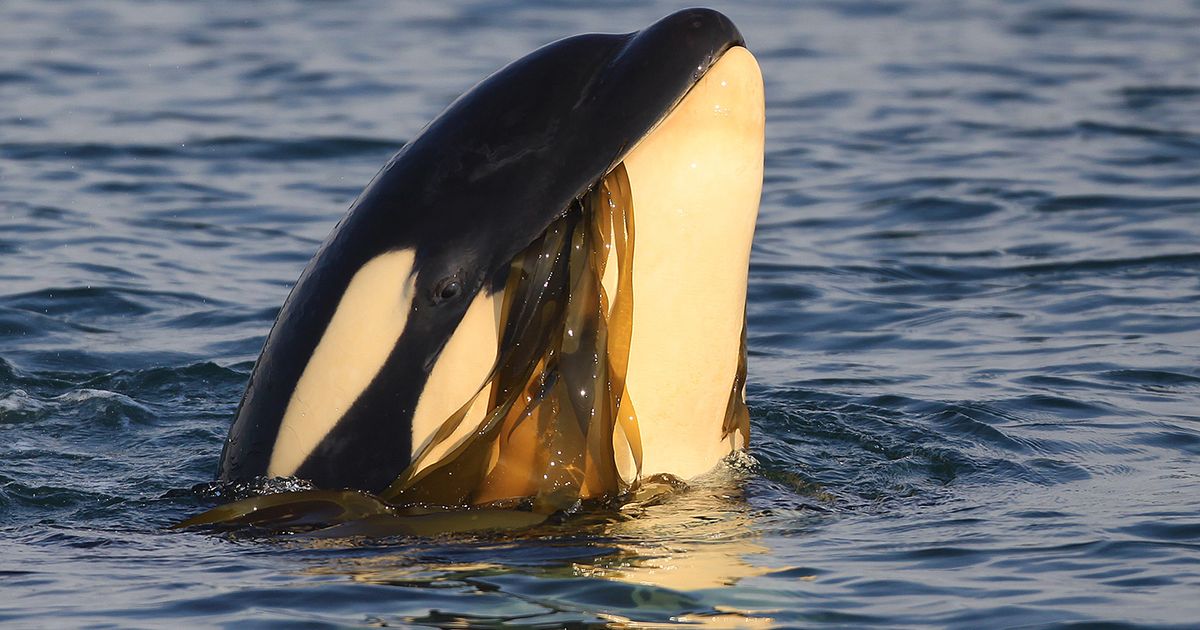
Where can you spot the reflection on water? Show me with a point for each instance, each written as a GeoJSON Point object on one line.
{"type": "Point", "coordinates": [652, 559]}
{"type": "Point", "coordinates": [699, 538]}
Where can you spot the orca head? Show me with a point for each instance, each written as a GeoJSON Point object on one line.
{"type": "Point", "coordinates": [396, 322]}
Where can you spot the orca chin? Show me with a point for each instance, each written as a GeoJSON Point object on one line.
{"type": "Point", "coordinates": [540, 298]}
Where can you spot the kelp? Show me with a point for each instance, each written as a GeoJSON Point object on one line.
{"type": "Point", "coordinates": [348, 513]}
{"type": "Point", "coordinates": [559, 415]}
{"type": "Point", "coordinates": [557, 393]}
{"type": "Point", "coordinates": [737, 416]}
{"type": "Point", "coordinates": [560, 426]}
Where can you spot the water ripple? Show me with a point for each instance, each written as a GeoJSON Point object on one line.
{"type": "Point", "coordinates": [973, 313]}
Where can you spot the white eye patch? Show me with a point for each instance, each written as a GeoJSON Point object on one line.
{"type": "Point", "coordinates": [369, 319]}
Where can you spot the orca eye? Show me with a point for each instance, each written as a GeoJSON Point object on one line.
{"type": "Point", "coordinates": [447, 289]}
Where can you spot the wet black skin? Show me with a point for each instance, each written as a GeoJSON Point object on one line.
{"type": "Point", "coordinates": [473, 189]}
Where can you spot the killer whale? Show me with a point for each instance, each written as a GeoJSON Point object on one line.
{"type": "Point", "coordinates": [407, 309]}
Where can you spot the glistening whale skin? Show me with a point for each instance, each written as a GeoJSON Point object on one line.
{"type": "Point", "coordinates": [371, 350]}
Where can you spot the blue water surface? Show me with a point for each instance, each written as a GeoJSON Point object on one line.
{"type": "Point", "coordinates": [974, 316]}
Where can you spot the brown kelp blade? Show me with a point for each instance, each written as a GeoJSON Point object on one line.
{"type": "Point", "coordinates": [533, 309]}
{"type": "Point", "coordinates": [558, 406]}
{"type": "Point", "coordinates": [350, 513]}
{"type": "Point", "coordinates": [737, 416]}
{"type": "Point", "coordinates": [556, 391]}
{"type": "Point", "coordinates": [302, 509]}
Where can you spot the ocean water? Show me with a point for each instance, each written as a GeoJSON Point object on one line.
{"type": "Point", "coordinates": [974, 317]}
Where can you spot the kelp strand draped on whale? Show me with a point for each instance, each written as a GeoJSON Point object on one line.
{"type": "Point", "coordinates": [559, 408]}
{"type": "Point", "coordinates": [558, 404]}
